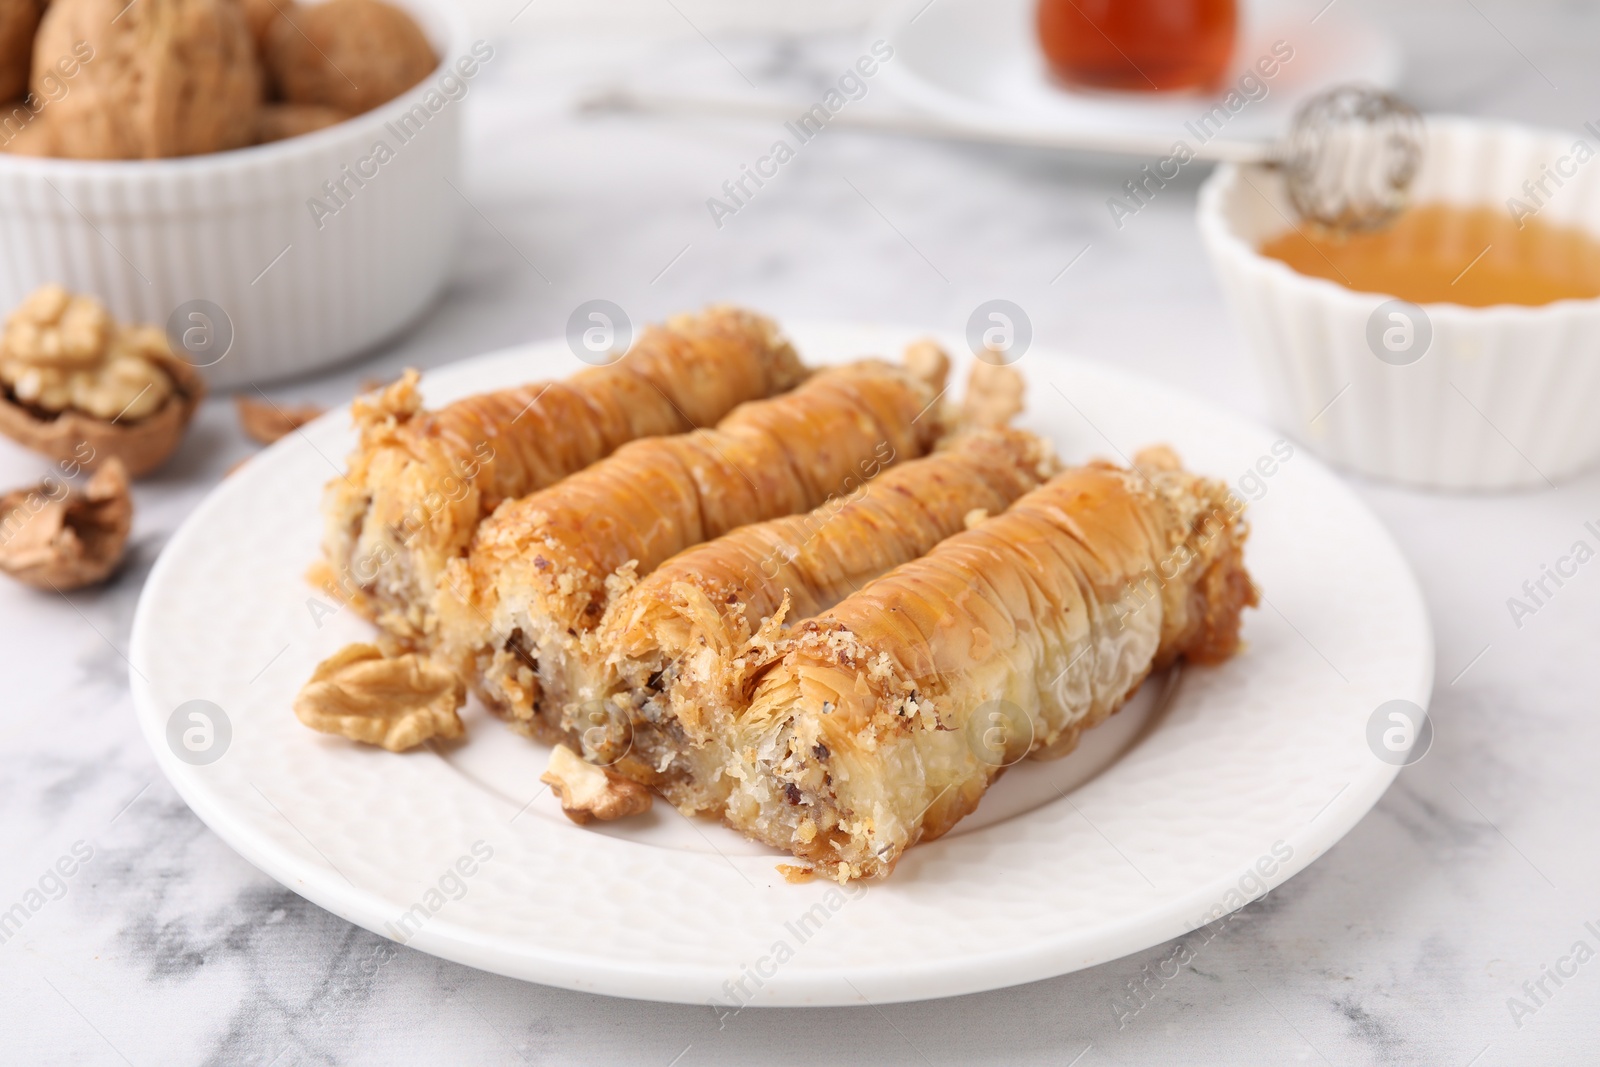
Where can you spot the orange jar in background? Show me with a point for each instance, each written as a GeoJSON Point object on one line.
{"type": "Point", "coordinates": [1138, 45]}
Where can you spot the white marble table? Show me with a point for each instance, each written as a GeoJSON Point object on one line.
{"type": "Point", "coordinates": [1476, 871]}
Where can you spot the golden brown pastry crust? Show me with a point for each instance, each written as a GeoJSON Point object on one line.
{"type": "Point", "coordinates": [682, 647]}
{"type": "Point", "coordinates": [870, 735]}
{"type": "Point", "coordinates": [521, 609]}
{"type": "Point", "coordinates": [419, 482]}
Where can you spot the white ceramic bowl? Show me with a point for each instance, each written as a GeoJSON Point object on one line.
{"type": "Point", "coordinates": [1458, 397]}
{"type": "Point", "coordinates": [236, 229]}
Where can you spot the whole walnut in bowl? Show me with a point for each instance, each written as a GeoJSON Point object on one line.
{"type": "Point", "coordinates": [259, 16]}
{"type": "Point", "coordinates": [277, 122]}
{"type": "Point", "coordinates": [347, 54]}
{"type": "Point", "coordinates": [18, 20]}
{"type": "Point", "coordinates": [80, 388]}
{"type": "Point", "coordinates": [168, 78]}
{"type": "Point", "coordinates": [316, 234]}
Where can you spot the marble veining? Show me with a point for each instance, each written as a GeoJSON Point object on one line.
{"type": "Point", "coordinates": [1401, 946]}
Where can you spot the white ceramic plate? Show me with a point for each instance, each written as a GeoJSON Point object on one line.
{"type": "Point", "coordinates": [1155, 825]}
{"type": "Point", "coordinates": [978, 62]}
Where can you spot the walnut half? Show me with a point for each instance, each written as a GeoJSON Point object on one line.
{"type": "Point", "coordinates": [397, 702]}
{"type": "Point", "coordinates": [80, 388]}
{"type": "Point", "coordinates": [53, 538]}
{"type": "Point", "coordinates": [588, 792]}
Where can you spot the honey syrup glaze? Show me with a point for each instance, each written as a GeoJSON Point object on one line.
{"type": "Point", "coordinates": [1442, 253]}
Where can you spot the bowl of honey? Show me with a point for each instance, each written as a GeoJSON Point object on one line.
{"type": "Point", "coordinates": [1458, 347]}
{"type": "Point", "coordinates": [1137, 45]}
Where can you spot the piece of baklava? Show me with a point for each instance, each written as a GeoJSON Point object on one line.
{"type": "Point", "coordinates": [683, 645]}
{"type": "Point", "coordinates": [519, 612]}
{"type": "Point", "coordinates": [889, 715]}
{"type": "Point", "coordinates": [420, 481]}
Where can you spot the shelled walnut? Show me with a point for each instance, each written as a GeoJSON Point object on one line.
{"type": "Point", "coordinates": [54, 538]}
{"type": "Point", "coordinates": [396, 701]}
{"type": "Point", "coordinates": [77, 386]}
{"type": "Point", "coordinates": [588, 792]}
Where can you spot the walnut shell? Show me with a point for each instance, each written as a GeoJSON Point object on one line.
{"type": "Point", "coordinates": [347, 54]}
{"type": "Point", "coordinates": [77, 437]}
{"type": "Point", "coordinates": [168, 77]}
{"type": "Point", "coordinates": [26, 131]}
{"type": "Point", "coordinates": [18, 20]}
{"type": "Point", "coordinates": [258, 16]}
{"type": "Point", "coordinates": [52, 538]}
{"type": "Point", "coordinates": [275, 122]}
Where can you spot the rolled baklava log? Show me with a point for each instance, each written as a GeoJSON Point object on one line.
{"type": "Point", "coordinates": [683, 646]}
{"type": "Point", "coordinates": [518, 613]}
{"type": "Point", "coordinates": [891, 714]}
{"type": "Point", "coordinates": [420, 481]}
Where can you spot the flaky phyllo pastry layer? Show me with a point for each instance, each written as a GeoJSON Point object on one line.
{"type": "Point", "coordinates": [831, 619]}
{"type": "Point", "coordinates": [888, 716]}
{"type": "Point", "coordinates": [420, 481]}
{"type": "Point", "coordinates": [519, 612]}
{"type": "Point", "coordinates": [683, 647]}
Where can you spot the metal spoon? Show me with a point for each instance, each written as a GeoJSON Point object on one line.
{"type": "Point", "coordinates": [1348, 161]}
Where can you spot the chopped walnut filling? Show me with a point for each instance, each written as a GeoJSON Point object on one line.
{"type": "Point", "coordinates": [396, 701]}
{"type": "Point", "coordinates": [588, 792]}
{"type": "Point", "coordinates": [52, 538]}
{"type": "Point", "coordinates": [62, 351]}
{"type": "Point", "coordinates": [795, 874]}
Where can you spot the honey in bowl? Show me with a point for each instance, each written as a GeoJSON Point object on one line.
{"type": "Point", "coordinates": [1137, 45]}
{"type": "Point", "coordinates": [1452, 254]}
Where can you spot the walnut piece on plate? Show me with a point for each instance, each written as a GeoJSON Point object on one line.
{"type": "Point", "coordinates": [168, 78]}
{"type": "Point", "coordinates": [54, 538]}
{"type": "Point", "coordinates": [397, 701]}
{"type": "Point", "coordinates": [80, 388]}
{"type": "Point", "coordinates": [588, 792]}
{"type": "Point", "coordinates": [266, 422]}
{"type": "Point", "coordinates": [347, 54]}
